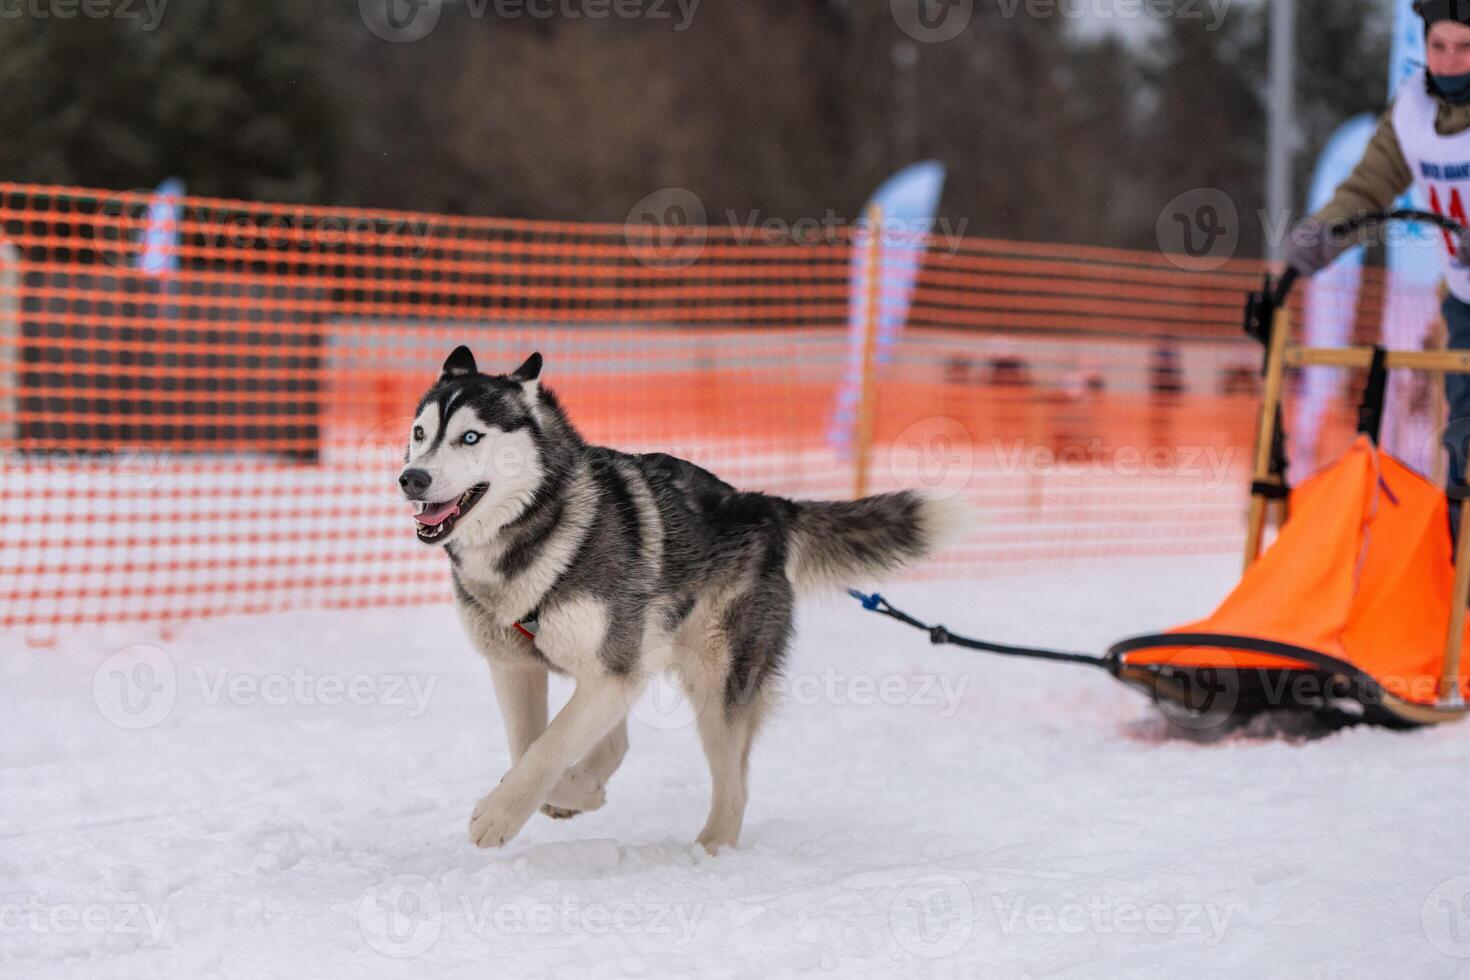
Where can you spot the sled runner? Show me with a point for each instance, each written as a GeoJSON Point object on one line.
{"type": "Point", "coordinates": [1357, 609]}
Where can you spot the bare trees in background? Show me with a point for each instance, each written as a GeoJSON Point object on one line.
{"type": "Point", "coordinates": [763, 108]}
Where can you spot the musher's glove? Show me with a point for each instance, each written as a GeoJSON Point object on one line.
{"type": "Point", "coordinates": [1311, 246]}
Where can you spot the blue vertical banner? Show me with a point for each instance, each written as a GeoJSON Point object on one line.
{"type": "Point", "coordinates": [1413, 250]}
{"type": "Point", "coordinates": [1406, 55]}
{"type": "Point", "coordinates": [905, 205]}
{"type": "Point", "coordinates": [160, 252]}
{"type": "Point", "coordinates": [1330, 302]}
{"type": "Point", "coordinates": [1415, 264]}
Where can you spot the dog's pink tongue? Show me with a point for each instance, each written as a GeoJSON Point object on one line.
{"type": "Point", "coordinates": [439, 514]}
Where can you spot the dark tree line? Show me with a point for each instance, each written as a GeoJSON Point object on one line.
{"type": "Point", "coordinates": [789, 108]}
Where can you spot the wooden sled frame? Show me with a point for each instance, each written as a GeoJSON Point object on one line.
{"type": "Point", "coordinates": [1281, 353]}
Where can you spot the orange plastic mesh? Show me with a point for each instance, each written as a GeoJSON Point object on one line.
{"type": "Point", "coordinates": [224, 437]}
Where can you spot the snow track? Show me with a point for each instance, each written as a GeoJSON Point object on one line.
{"type": "Point", "coordinates": [288, 795]}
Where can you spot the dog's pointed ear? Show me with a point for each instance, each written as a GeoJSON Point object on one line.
{"type": "Point", "coordinates": [458, 364]}
{"type": "Point", "coordinates": [528, 373]}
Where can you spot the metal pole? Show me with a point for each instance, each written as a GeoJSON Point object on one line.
{"type": "Point", "coordinates": [1279, 134]}
{"type": "Point", "coordinates": [905, 100]}
{"type": "Point", "coordinates": [866, 407]}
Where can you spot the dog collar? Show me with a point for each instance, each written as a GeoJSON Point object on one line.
{"type": "Point", "coordinates": [529, 625]}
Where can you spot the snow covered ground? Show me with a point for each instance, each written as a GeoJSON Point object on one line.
{"type": "Point", "coordinates": [289, 796]}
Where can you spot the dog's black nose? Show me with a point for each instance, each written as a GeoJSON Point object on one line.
{"type": "Point", "coordinates": [415, 483]}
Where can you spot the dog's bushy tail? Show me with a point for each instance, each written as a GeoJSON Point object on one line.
{"type": "Point", "coordinates": [836, 544]}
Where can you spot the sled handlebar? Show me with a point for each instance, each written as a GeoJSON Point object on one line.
{"type": "Point", "coordinates": [1288, 278]}
{"type": "Point", "coordinates": [1283, 287]}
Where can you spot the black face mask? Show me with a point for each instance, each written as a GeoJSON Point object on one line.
{"type": "Point", "coordinates": [1454, 89]}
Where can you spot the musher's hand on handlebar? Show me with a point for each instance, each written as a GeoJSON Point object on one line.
{"type": "Point", "coordinates": [1311, 246]}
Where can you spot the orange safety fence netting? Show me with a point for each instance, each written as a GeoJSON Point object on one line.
{"type": "Point", "coordinates": [224, 436]}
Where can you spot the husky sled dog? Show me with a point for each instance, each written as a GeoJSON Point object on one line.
{"type": "Point", "coordinates": [611, 567]}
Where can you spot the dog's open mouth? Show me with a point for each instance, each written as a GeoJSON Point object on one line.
{"type": "Point", "coordinates": [437, 520]}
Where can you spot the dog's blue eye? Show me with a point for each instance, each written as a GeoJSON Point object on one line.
{"type": "Point", "coordinates": [470, 438]}
{"type": "Point", "coordinates": [418, 433]}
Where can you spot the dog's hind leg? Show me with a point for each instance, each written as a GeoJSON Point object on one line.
{"type": "Point", "coordinates": [726, 731]}
{"type": "Point", "coordinates": [742, 653]}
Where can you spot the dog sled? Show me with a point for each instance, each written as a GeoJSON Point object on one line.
{"type": "Point", "coordinates": [1356, 611]}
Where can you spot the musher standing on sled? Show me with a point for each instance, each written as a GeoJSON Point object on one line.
{"type": "Point", "coordinates": [1424, 137]}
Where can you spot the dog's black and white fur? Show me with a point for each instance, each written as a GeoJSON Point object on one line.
{"type": "Point", "coordinates": [632, 565]}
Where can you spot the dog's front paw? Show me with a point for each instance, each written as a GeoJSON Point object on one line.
{"type": "Point", "coordinates": [578, 791]}
{"type": "Point", "coordinates": [497, 818]}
